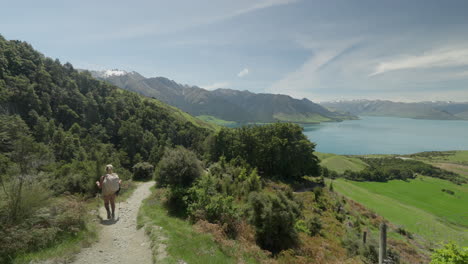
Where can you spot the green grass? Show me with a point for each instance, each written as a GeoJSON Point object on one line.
{"type": "Point", "coordinates": [340, 163]}
{"type": "Point", "coordinates": [182, 242]}
{"type": "Point", "coordinates": [418, 205]}
{"type": "Point", "coordinates": [215, 120]}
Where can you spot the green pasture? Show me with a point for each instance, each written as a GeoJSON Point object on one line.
{"type": "Point", "coordinates": [340, 163]}
{"type": "Point", "coordinates": [419, 205]}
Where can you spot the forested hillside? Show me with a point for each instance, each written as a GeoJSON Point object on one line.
{"type": "Point", "coordinates": [58, 128]}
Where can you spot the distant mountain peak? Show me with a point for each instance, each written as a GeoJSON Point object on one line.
{"type": "Point", "coordinates": [113, 72]}
{"type": "Point", "coordinates": [227, 104]}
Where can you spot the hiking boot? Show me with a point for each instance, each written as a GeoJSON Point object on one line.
{"type": "Point", "coordinates": [113, 215]}
{"type": "Point", "coordinates": [108, 215]}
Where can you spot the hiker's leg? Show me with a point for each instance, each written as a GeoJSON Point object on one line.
{"type": "Point", "coordinates": [112, 202]}
{"type": "Point", "coordinates": [106, 205]}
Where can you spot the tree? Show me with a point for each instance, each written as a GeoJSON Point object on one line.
{"type": "Point", "coordinates": [278, 150]}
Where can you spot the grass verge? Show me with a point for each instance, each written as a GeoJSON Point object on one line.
{"type": "Point", "coordinates": [175, 240]}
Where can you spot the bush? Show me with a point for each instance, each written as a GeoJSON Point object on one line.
{"type": "Point", "coordinates": [274, 216]}
{"type": "Point", "coordinates": [143, 171]}
{"type": "Point", "coordinates": [77, 177]}
{"type": "Point", "coordinates": [42, 228]}
{"type": "Point", "coordinates": [314, 225]}
{"type": "Point", "coordinates": [450, 253]}
{"type": "Point", "coordinates": [400, 230]}
{"type": "Point", "coordinates": [178, 167]}
{"type": "Point", "coordinates": [301, 226]}
{"type": "Point", "coordinates": [448, 191]}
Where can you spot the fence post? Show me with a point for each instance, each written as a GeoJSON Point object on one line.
{"type": "Point", "coordinates": [383, 243]}
{"type": "Point", "coordinates": [364, 237]}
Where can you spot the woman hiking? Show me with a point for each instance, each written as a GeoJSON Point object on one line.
{"type": "Point", "coordinates": [110, 185]}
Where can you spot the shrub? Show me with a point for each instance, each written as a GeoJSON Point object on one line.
{"type": "Point", "coordinates": [274, 216]}
{"type": "Point", "coordinates": [400, 230]}
{"type": "Point", "coordinates": [371, 253]}
{"type": "Point", "coordinates": [448, 191]}
{"type": "Point", "coordinates": [178, 167]}
{"type": "Point", "coordinates": [143, 171]}
{"type": "Point", "coordinates": [314, 225]}
{"type": "Point", "coordinates": [76, 177]}
{"type": "Point", "coordinates": [42, 228]}
{"type": "Point", "coordinates": [450, 253]}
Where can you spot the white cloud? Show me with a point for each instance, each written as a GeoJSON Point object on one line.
{"type": "Point", "coordinates": [243, 73]}
{"type": "Point", "coordinates": [302, 82]}
{"type": "Point", "coordinates": [439, 58]}
{"type": "Point", "coordinates": [260, 5]}
{"type": "Point", "coordinates": [165, 25]}
{"type": "Point", "coordinates": [216, 85]}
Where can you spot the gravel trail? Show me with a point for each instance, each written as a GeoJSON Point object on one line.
{"type": "Point", "coordinates": [119, 240]}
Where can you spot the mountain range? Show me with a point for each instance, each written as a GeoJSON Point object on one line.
{"type": "Point", "coordinates": [224, 104]}
{"type": "Point", "coordinates": [417, 110]}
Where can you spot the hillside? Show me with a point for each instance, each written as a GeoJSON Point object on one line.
{"type": "Point", "coordinates": [224, 104]}
{"type": "Point", "coordinates": [419, 206]}
{"type": "Point", "coordinates": [421, 110]}
{"type": "Point", "coordinates": [58, 128]}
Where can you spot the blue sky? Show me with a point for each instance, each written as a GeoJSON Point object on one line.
{"type": "Point", "coordinates": [322, 50]}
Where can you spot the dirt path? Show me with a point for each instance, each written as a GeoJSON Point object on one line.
{"type": "Point", "coordinates": [119, 240]}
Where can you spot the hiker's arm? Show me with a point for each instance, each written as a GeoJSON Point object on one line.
{"type": "Point", "coordinates": [99, 183]}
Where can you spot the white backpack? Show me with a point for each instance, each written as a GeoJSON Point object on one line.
{"type": "Point", "coordinates": [110, 184]}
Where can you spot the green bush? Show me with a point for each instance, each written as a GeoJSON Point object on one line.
{"type": "Point", "coordinates": [274, 216]}
{"type": "Point", "coordinates": [450, 254]}
{"type": "Point", "coordinates": [178, 167]}
{"type": "Point", "coordinates": [205, 202]}
{"type": "Point", "coordinates": [42, 228]}
{"type": "Point", "coordinates": [314, 225]}
{"type": "Point", "coordinates": [143, 171]}
{"type": "Point", "coordinates": [76, 177]}
{"type": "Point", "coordinates": [301, 226]}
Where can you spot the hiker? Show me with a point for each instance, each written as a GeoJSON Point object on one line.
{"type": "Point", "coordinates": [110, 185]}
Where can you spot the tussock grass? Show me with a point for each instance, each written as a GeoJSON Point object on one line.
{"type": "Point", "coordinates": [66, 246]}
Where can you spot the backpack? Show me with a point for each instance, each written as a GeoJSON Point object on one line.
{"type": "Point", "coordinates": [110, 184]}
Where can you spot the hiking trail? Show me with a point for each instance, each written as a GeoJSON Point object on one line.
{"type": "Point", "coordinates": [119, 240]}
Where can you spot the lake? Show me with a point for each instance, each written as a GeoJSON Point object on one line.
{"type": "Point", "coordinates": [388, 135]}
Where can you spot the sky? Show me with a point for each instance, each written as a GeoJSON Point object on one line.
{"type": "Point", "coordinates": [322, 50]}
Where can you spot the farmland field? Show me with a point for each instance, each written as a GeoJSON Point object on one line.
{"type": "Point", "coordinates": [418, 205]}
{"type": "Point", "coordinates": [340, 163]}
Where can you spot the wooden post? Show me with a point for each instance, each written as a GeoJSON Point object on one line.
{"type": "Point", "coordinates": [383, 243]}
{"type": "Point", "coordinates": [364, 237]}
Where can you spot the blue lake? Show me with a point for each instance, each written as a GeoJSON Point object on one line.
{"type": "Point", "coordinates": [388, 135]}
